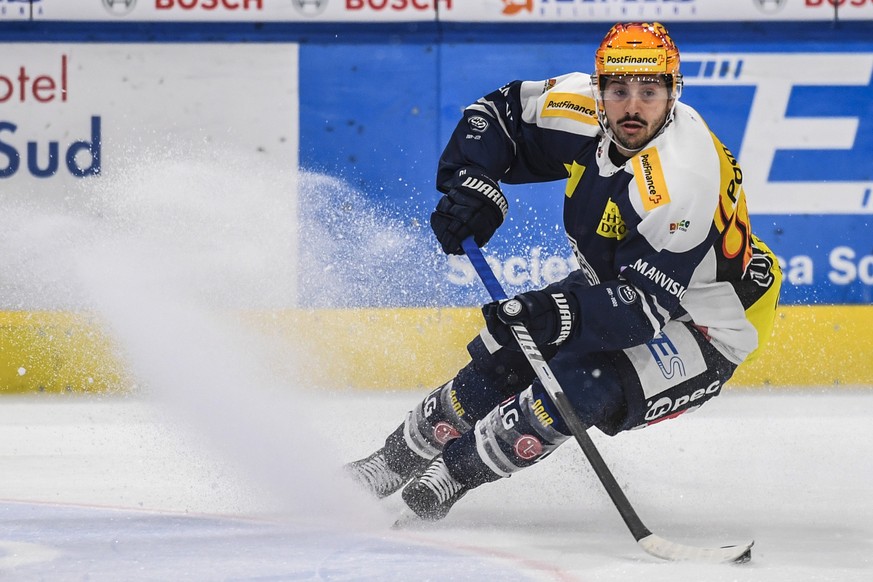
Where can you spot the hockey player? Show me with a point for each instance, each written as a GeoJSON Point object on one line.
{"type": "Point", "coordinates": [672, 294]}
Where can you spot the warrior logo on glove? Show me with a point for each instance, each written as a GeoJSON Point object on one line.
{"type": "Point", "coordinates": [549, 316]}
{"type": "Point", "coordinates": [473, 206]}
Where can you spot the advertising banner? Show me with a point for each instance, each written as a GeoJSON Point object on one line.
{"type": "Point", "coordinates": [77, 119]}
{"type": "Point", "coordinates": [506, 11]}
{"type": "Point", "coordinates": [663, 10]}
{"type": "Point", "coordinates": [800, 123]}
{"type": "Point", "coordinates": [364, 11]}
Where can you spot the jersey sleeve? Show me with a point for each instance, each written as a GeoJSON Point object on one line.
{"type": "Point", "coordinates": [526, 131]}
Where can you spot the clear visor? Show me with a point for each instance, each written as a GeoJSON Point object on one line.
{"type": "Point", "coordinates": [646, 88]}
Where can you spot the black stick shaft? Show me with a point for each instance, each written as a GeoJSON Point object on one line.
{"type": "Point", "coordinates": [556, 393]}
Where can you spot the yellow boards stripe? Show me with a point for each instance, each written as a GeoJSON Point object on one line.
{"type": "Point", "coordinates": [396, 348]}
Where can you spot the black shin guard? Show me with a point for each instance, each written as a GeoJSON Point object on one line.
{"type": "Point", "coordinates": [515, 434]}
{"type": "Point", "coordinates": [438, 419]}
{"type": "Point", "coordinates": [399, 457]}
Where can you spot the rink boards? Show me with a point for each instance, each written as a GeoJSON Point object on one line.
{"type": "Point", "coordinates": [374, 115]}
{"type": "Point", "coordinates": [375, 348]}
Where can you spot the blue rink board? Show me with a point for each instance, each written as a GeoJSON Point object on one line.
{"type": "Point", "coordinates": [378, 101]}
{"type": "Point", "coordinates": [380, 124]}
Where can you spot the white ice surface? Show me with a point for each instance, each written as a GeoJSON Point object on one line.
{"type": "Point", "coordinates": [224, 468]}
{"type": "Point", "coordinates": [120, 488]}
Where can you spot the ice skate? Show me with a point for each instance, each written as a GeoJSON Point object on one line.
{"type": "Point", "coordinates": [433, 493]}
{"type": "Point", "coordinates": [388, 469]}
{"type": "Point", "coordinates": [375, 476]}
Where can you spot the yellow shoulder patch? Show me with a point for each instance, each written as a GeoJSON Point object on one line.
{"type": "Point", "coordinates": [649, 175]}
{"type": "Point", "coordinates": [574, 174]}
{"type": "Point", "coordinates": [571, 106]}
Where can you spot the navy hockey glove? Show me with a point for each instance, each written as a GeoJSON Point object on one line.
{"type": "Point", "coordinates": [474, 206]}
{"type": "Point", "coordinates": [549, 316]}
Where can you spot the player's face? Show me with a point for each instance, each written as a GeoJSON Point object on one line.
{"type": "Point", "coordinates": [636, 108]}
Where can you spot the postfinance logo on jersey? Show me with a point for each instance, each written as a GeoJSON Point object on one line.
{"type": "Point", "coordinates": [611, 223]}
{"type": "Point", "coordinates": [571, 106]}
{"type": "Point", "coordinates": [649, 176]}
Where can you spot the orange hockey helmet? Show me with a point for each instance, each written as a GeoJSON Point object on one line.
{"type": "Point", "coordinates": [639, 48]}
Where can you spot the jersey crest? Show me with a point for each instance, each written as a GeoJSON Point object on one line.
{"type": "Point", "coordinates": [611, 223]}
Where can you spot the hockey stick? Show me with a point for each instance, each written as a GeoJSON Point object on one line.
{"type": "Point", "coordinates": [651, 543]}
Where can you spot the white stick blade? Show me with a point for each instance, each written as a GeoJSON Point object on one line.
{"type": "Point", "coordinates": [668, 550]}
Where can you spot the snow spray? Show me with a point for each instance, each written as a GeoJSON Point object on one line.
{"type": "Point", "coordinates": [171, 257]}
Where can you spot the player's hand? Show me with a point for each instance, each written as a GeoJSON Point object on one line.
{"type": "Point", "coordinates": [550, 316]}
{"type": "Point", "coordinates": [474, 206]}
